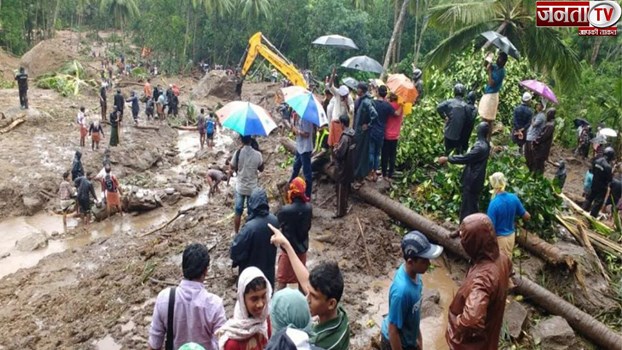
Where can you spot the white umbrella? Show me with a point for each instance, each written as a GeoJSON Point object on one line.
{"type": "Point", "coordinates": [363, 63]}
{"type": "Point", "coordinates": [336, 41]}
{"type": "Point", "coordinates": [608, 132]}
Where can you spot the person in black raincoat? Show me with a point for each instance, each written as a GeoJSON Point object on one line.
{"type": "Point", "coordinates": [77, 169]}
{"type": "Point", "coordinates": [22, 87]}
{"type": "Point", "coordinates": [251, 246]}
{"type": "Point", "coordinates": [454, 113]}
{"type": "Point", "coordinates": [474, 172]}
{"type": "Point", "coordinates": [469, 121]}
{"type": "Point", "coordinates": [365, 114]}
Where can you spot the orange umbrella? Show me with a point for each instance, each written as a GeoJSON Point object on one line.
{"type": "Point", "coordinates": [402, 87]}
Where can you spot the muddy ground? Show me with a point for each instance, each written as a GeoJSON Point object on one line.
{"type": "Point", "coordinates": [94, 287]}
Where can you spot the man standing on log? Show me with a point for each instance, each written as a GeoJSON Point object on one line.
{"type": "Point", "coordinates": [345, 156]}
{"type": "Point", "coordinates": [365, 114]}
{"type": "Point", "coordinates": [603, 174]}
{"type": "Point", "coordinates": [400, 329]}
{"type": "Point", "coordinates": [489, 103]}
{"type": "Point", "coordinates": [22, 86]}
{"type": "Point", "coordinates": [474, 172]}
{"type": "Point", "coordinates": [453, 112]}
{"type": "Point", "coordinates": [476, 313]}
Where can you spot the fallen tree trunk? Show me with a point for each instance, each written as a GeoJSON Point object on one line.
{"type": "Point", "coordinates": [578, 319]}
{"type": "Point", "coordinates": [544, 250]}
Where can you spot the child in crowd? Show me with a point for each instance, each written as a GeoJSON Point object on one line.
{"type": "Point", "coordinates": [324, 288]}
{"type": "Point", "coordinates": [249, 329]}
{"type": "Point", "coordinates": [291, 321]}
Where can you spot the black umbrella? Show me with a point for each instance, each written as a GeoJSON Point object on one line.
{"type": "Point", "coordinates": [503, 43]}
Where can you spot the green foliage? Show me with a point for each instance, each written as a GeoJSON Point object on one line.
{"type": "Point", "coordinates": [436, 191]}
{"type": "Point", "coordinates": [67, 81]}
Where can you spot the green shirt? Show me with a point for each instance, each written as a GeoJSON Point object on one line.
{"type": "Point", "coordinates": [333, 334]}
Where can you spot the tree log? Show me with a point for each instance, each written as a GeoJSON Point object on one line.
{"type": "Point", "coordinates": [585, 324]}
{"type": "Point", "coordinates": [185, 128]}
{"type": "Point", "coordinates": [544, 250]}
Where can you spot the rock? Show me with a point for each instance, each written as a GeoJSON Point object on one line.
{"type": "Point", "coordinates": [5, 255]}
{"type": "Point", "coordinates": [55, 234]}
{"type": "Point", "coordinates": [187, 190]}
{"type": "Point", "coordinates": [32, 242]}
{"type": "Point", "coordinates": [430, 303]}
{"type": "Point", "coordinates": [515, 316]}
{"type": "Point", "coordinates": [32, 203]}
{"type": "Point", "coordinates": [169, 191]}
{"type": "Point", "coordinates": [554, 334]}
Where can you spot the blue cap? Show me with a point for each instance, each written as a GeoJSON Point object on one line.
{"type": "Point", "coordinates": [416, 245]}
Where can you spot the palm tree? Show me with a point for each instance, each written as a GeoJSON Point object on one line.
{"type": "Point", "coordinates": [543, 47]}
{"type": "Point", "coordinates": [120, 10]}
{"type": "Point", "coordinates": [218, 7]}
{"type": "Point", "coordinates": [256, 8]}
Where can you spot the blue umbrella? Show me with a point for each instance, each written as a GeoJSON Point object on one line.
{"type": "Point", "coordinates": [246, 119]}
{"type": "Point", "coordinates": [305, 104]}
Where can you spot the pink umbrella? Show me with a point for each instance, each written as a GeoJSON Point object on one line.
{"type": "Point", "coordinates": [539, 88]}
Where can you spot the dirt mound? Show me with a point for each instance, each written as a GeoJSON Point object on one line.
{"type": "Point", "coordinates": [216, 83]}
{"type": "Point", "coordinates": [48, 56]}
{"type": "Point", "coordinates": [8, 65]}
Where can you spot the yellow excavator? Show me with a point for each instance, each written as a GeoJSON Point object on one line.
{"type": "Point", "coordinates": [259, 45]}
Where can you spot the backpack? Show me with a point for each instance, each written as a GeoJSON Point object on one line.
{"type": "Point", "coordinates": [209, 126]}
{"type": "Point", "coordinates": [109, 184]}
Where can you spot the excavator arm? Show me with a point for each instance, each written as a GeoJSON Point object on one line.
{"type": "Point", "coordinates": [259, 45]}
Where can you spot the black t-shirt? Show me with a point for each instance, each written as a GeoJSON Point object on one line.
{"type": "Point", "coordinates": [384, 110]}
{"type": "Point", "coordinates": [22, 81]}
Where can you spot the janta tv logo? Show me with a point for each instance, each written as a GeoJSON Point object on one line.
{"type": "Point", "coordinates": [594, 18]}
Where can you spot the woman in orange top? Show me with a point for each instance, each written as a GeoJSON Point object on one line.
{"type": "Point", "coordinates": [249, 329]}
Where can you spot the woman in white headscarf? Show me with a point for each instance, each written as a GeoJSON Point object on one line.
{"type": "Point", "coordinates": [249, 329]}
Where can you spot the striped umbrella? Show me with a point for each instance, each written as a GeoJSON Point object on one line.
{"type": "Point", "coordinates": [305, 104]}
{"type": "Point", "coordinates": [246, 119]}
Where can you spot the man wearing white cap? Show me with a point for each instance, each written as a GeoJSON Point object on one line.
{"type": "Point", "coordinates": [341, 103]}
{"type": "Point", "coordinates": [522, 119]}
{"type": "Point", "coordinates": [400, 328]}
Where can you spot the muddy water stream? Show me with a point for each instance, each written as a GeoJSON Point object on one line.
{"type": "Point", "coordinates": [432, 327]}
{"type": "Point", "coordinates": [16, 228]}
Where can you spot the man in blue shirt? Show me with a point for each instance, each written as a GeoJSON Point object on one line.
{"type": "Point", "coordinates": [400, 328]}
{"type": "Point", "coordinates": [304, 147]}
{"type": "Point", "coordinates": [490, 101]}
{"type": "Point", "coordinates": [503, 210]}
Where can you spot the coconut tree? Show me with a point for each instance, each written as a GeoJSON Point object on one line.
{"type": "Point", "coordinates": [217, 7]}
{"type": "Point", "coordinates": [120, 10]}
{"type": "Point", "coordinates": [256, 8]}
{"type": "Point", "coordinates": [466, 19]}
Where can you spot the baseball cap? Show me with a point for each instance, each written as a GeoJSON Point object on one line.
{"type": "Point", "coordinates": [526, 97]}
{"type": "Point", "coordinates": [416, 245]}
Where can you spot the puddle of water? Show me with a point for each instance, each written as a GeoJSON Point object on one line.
{"type": "Point", "coordinates": [16, 228]}
{"type": "Point", "coordinates": [432, 328]}
{"type": "Point", "coordinates": [107, 343]}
